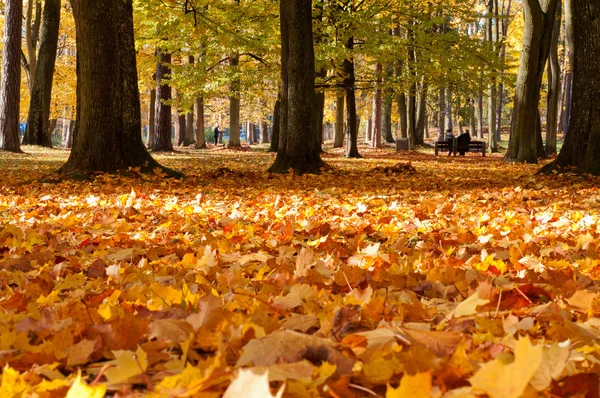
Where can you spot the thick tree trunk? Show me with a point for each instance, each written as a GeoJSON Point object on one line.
{"type": "Point", "coordinates": [554, 80]}
{"type": "Point", "coordinates": [199, 108]}
{"type": "Point", "coordinates": [189, 128]}
{"type": "Point", "coordinates": [41, 93]}
{"type": "Point", "coordinates": [523, 144]}
{"type": "Point", "coordinates": [582, 144]}
{"type": "Point", "coordinates": [338, 139]}
{"type": "Point", "coordinates": [351, 117]}
{"type": "Point", "coordinates": [162, 133]}
{"type": "Point", "coordinates": [234, 104]}
{"type": "Point", "coordinates": [276, 125]}
{"type": "Point", "coordinates": [298, 146]}
{"type": "Point", "coordinates": [10, 87]}
{"type": "Point", "coordinates": [108, 105]}
{"type": "Point", "coordinates": [151, 118]}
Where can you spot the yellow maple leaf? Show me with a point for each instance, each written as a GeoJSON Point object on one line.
{"type": "Point", "coordinates": [418, 385]}
{"type": "Point", "coordinates": [127, 364]}
{"type": "Point", "coordinates": [499, 379]}
{"type": "Point", "coordinates": [81, 389]}
{"type": "Point", "coordinates": [469, 306]}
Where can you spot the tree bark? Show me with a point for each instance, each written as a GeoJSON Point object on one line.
{"type": "Point", "coordinates": [200, 138]}
{"type": "Point", "coordinates": [276, 125]}
{"type": "Point", "coordinates": [351, 117]}
{"type": "Point", "coordinates": [377, 99]}
{"type": "Point", "coordinates": [298, 146]}
{"type": "Point", "coordinates": [318, 113]}
{"type": "Point", "coordinates": [421, 114]}
{"type": "Point", "coordinates": [523, 144]}
{"type": "Point", "coordinates": [10, 86]}
{"type": "Point", "coordinates": [442, 114]}
{"type": "Point", "coordinates": [554, 80]}
{"type": "Point", "coordinates": [234, 104]}
{"type": "Point", "coordinates": [32, 27]}
{"type": "Point", "coordinates": [480, 115]}
{"type": "Point", "coordinates": [338, 139]}
{"type": "Point", "coordinates": [41, 93]}
{"type": "Point", "coordinates": [108, 105]}
{"type": "Point", "coordinates": [162, 134]}
{"type": "Point", "coordinates": [581, 148]}
{"type": "Point", "coordinates": [151, 118]}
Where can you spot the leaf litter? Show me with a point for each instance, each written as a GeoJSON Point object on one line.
{"type": "Point", "coordinates": [457, 278]}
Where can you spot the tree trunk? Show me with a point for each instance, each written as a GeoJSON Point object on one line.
{"type": "Point", "coordinates": [298, 146]}
{"type": "Point", "coordinates": [448, 111]}
{"type": "Point", "coordinates": [369, 131]}
{"type": "Point", "coordinates": [351, 117]}
{"type": "Point", "coordinates": [377, 99]}
{"type": "Point", "coordinates": [318, 113]}
{"type": "Point", "coordinates": [108, 103]}
{"type": "Point", "coordinates": [32, 26]}
{"type": "Point", "coordinates": [276, 124]}
{"type": "Point", "coordinates": [234, 104]}
{"type": "Point", "coordinates": [554, 80]}
{"type": "Point", "coordinates": [338, 140]}
{"type": "Point", "coordinates": [162, 133]}
{"type": "Point", "coordinates": [581, 148]}
{"type": "Point", "coordinates": [10, 87]}
{"type": "Point", "coordinates": [181, 130]}
{"type": "Point", "coordinates": [200, 139]}
{"type": "Point", "coordinates": [41, 93]}
{"type": "Point", "coordinates": [386, 118]}
{"type": "Point", "coordinates": [421, 114]}
{"type": "Point", "coordinates": [249, 133]}
{"type": "Point", "coordinates": [480, 115]}
{"type": "Point", "coordinates": [151, 118]}
{"type": "Point", "coordinates": [523, 144]}
{"type": "Point", "coordinates": [442, 115]}
{"type": "Point", "coordinates": [472, 118]}
{"type": "Point", "coordinates": [492, 89]}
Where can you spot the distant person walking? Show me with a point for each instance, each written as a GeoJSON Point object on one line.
{"type": "Point", "coordinates": [217, 134]}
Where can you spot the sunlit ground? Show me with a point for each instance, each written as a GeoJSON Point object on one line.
{"type": "Point", "coordinates": [207, 271]}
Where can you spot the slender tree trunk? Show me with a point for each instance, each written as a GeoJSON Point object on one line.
{"type": "Point", "coordinates": [448, 111]}
{"type": "Point", "coordinates": [276, 124]}
{"type": "Point", "coordinates": [151, 118]}
{"type": "Point", "coordinates": [298, 146]}
{"type": "Point", "coordinates": [421, 114]}
{"type": "Point", "coordinates": [369, 131]}
{"type": "Point", "coordinates": [318, 112]}
{"type": "Point", "coordinates": [351, 117]}
{"type": "Point", "coordinates": [108, 105]}
{"type": "Point", "coordinates": [472, 118]}
{"type": "Point", "coordinates": [554, 80]}
{"type": "Point", "coordinates": [338, 140]}
{"type": "Point", "coordinates": [581, 148]}
{"type": "Point", "coordinates": [377, 99]}
{"type": "Point", "coordinates": [162, 134]}
{"type": "Point", "coordinates": [200, 138]}
{"type": "Point", "coordinates": [234, 104]}
{"type": "Point", "coordinates": [386, 118]}
{"type": "Point", "coordinates": [442, 114]}
{"type": "Point", "coordinates": [568, 90]}
{"type": "Point", "coordinates": [41, 93]}
{"type": "Point", "coordinates": [10, 86]}
{"type": "Point", "coordinates": [480, 115]}
{"type": "Point", "coordinates": [523, 144]}
{"type": "Point", "coordinates": [32, 26]}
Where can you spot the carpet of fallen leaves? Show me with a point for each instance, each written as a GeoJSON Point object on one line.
{"type": "Point", "coordinates": [447, 277]}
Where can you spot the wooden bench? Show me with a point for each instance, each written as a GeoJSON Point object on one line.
{"type": "Point", "coordinates": [474, 146]}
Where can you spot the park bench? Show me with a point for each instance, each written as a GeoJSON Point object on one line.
{"type": "Point", "coordinates": [474, 146]}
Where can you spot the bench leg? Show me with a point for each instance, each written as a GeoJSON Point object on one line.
{"type": "Point", "coordinates": [436, 149]}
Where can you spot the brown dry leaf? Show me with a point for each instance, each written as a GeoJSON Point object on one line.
{"type": "Point", "coordinates": [288, 346]}
{"type": "Point", "coordinates": [173, 330]}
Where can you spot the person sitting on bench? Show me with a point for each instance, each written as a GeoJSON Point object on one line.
{"type": "Point", "coordinates": [450, 140]}
{"type": "Point", "coordinates": [462, 142]}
